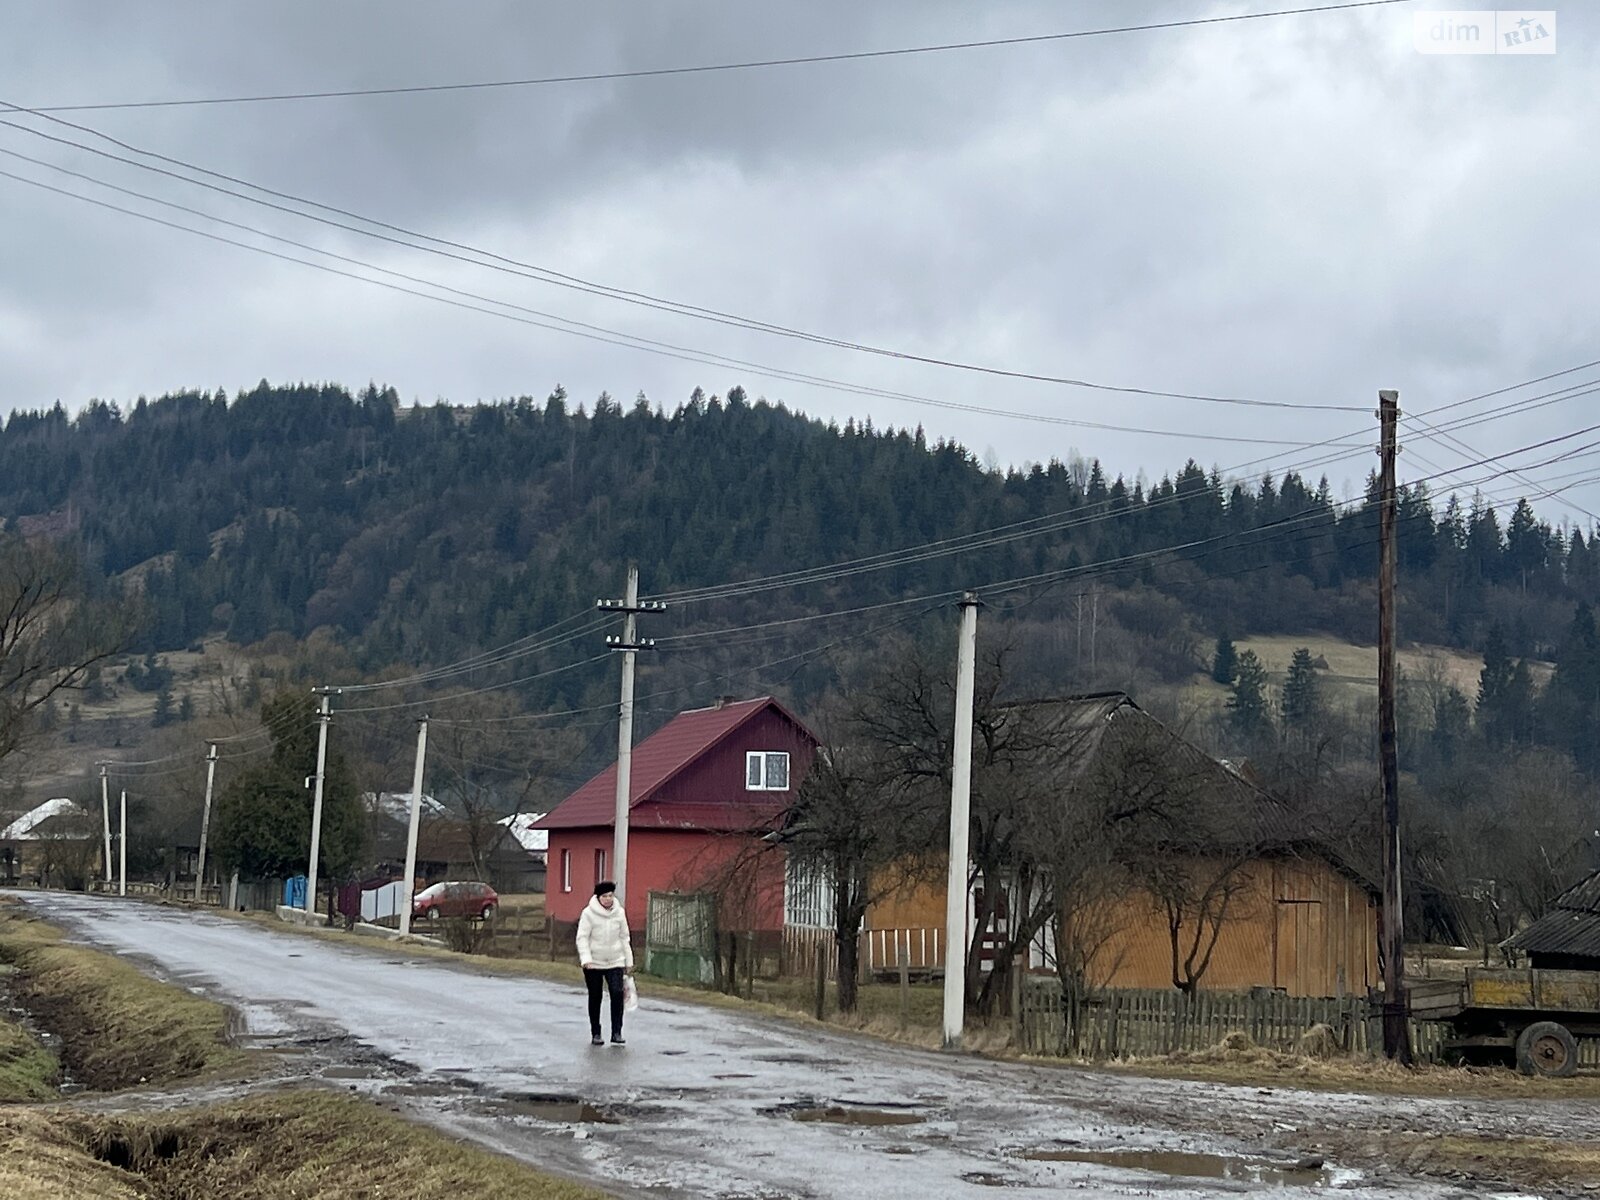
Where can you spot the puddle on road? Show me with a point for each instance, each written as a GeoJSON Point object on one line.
{"type": "Point", "coordinates": [561, 1110]}
{"type": "Point", "coordinates": [1190, 1165]}
{"type": "Point", "coordinates": [990, 1179]}
{"type": "Point", "coordinates": [837, 1114]}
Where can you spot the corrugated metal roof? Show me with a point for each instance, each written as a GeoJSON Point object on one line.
{"type": "Point", "coordinates": [1560, 931]}
{"type": "Point", "coordinates": [1572, 926]}
{"type": "Point", "coordinates": [655, 760]}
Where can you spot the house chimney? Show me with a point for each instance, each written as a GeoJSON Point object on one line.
{"type": "Point", "coordinates": [724, 701]}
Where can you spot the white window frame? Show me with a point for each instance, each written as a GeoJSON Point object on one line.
{"type": "Point", "coordinates": [566, 870]}
{"type": "Point", "coordinates": [599, 865]}
{"type": "Point", "coordinates": [762, 760]}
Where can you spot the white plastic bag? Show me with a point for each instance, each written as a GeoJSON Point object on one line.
{"type": "Point", "coordinates": [630, 994]}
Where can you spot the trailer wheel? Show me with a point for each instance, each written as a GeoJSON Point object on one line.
{"type": "Point", "coordinates": [1548, 1049]}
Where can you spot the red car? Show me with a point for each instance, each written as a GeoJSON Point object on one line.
{"type": "Point", "coordinates": [455, 900]}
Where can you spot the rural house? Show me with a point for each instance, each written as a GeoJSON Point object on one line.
{"type": "Point", "coordinates": [704, 788]}
{"type": "Point", "coordinates": [57, 842]}
{"type": "Point", "coordinates": [1258, 902]}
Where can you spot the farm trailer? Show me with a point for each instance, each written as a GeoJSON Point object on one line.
{"type": "Point", "coordinates": [1534, 1017]}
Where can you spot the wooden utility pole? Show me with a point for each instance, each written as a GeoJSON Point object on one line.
{"type": "Point", "coordinates": [629, 644]}
{"type": "Point", "coordinates": [205, 827]}
{"type": "Point", "coordinates": [324, 716]}
{"type": "Point", "coordinates": [955, 911]}
{"type": "Point", "coordinates": [1396, 1031]}
{"type": "Point", "coordinates": [410, 880]}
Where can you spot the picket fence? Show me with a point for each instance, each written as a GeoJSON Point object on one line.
{"type": "Point", "coordinates": [1137, 1023]}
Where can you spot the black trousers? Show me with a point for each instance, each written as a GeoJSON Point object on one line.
{"type": "Point", "coordinates": [611, 979]}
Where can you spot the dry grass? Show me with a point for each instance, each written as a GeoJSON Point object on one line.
{"type": "Point", "coordinates": [1525, 1162]}
{"type": "Point", "coordinates": [27, 1070]}
{"type": "Point", "coordinates": [1237, 1061]}
{"type": "Point", "coordinates": [118, 1027]}
{"type": "Point", "coordinates": [293, 1144]}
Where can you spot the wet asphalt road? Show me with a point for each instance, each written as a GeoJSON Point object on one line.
{"type": "Point", "coordinates": [701, 1100]}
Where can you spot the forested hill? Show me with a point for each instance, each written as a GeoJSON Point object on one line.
{"type": "Point", "coordinates": [420, 534]}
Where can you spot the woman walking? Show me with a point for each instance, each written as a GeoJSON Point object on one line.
{"type": "Point", "coordinates": [606, 953]}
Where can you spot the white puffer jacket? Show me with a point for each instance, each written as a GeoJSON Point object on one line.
{"type": "Point", "coordinates": [603, 936]}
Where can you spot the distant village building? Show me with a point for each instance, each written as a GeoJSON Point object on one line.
{"type": "Point", "coordinates": [58, 843]}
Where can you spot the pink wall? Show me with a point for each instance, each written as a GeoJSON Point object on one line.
{"type": "Point", "coordinates": [666, 860]}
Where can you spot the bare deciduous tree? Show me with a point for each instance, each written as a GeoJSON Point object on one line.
{"type": "Point", "coordinates": [51, 633]}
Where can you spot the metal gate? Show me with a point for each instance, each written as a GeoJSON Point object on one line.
{"type": "Point", "coordinates": [680, 936]}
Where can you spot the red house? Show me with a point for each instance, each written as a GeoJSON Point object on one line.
{"type": "Point", "coordinates": [703, 789]}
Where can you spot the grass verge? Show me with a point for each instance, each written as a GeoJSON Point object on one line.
{"type": "Point", "coordinates": [118, 1027]}
{"type": "Point", "coordinates": [273, 1147]}
{"type": "Point", "coordinates": [27, 1070]}
{"type": "Point", "coordinates": [1247, 1065]}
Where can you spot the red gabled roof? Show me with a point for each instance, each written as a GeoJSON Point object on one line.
{"type": "Point", "coordinates": [655, 761]}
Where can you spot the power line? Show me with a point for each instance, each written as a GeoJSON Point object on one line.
{"type": "Point", "coordinates": [710, 68]}
{"type": "Point", "coordinates": [625, 340]}
{"type": "Point", "coordinates": [478, 257]}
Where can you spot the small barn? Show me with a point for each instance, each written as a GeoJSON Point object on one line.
{"type": "Point", "coordinates": [704, 789]}
{"type": "Point", "coordinates": [1567, 938]}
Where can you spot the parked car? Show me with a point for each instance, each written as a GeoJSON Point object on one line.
{"type": "Point", "coordinates": [455, 900]}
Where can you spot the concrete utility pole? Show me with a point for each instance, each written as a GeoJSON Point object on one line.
{"type": "Point", "coordinates": [955, 906]}
{"type": "Point", "coordinates": [411, 829]}
{"type": "Point", "coordinates": [323, 718]}
{"type": "Point", "coordinates": [122, 849]}
{"type": "Point", "coordinates": [105, 816]}
{"type": "Point", "coordinates": [629, 644]}
{"type": "Point", "coordinates": [1396, 1031]}
{"type": "Point", "coordinates": [205, 826]}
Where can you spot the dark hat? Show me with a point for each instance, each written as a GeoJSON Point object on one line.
{"type": "Point", "coordinates": [604, 888]}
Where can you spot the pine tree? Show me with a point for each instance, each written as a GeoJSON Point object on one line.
{"type": "Point", "coordinates": [163, 711]}
{"type": "Point", "coordinates": [1301, 691]}
{"type": "Point", "coordinates": [1248, 705]}
{"type": "Point", "coordinates": [1493, 681]}
{"type": "Point", "coordinates": [1225, 661]}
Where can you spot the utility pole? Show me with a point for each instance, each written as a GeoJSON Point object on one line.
{"type": "Point", "coordinates": [323, 718]}
{"type": "Point", "coordinates": [205, 826]}
{"type": "Point", "coordinates": [411, 829]}
{"type": "Point", "coordinates": [629, 644]}
{"type": "Point", "coordinates": [105, 817]}
{"type": "Point", "coordinates": [122, 849]}
{"type": "Point", "coordinates": [1396, 1031]}
{"type": "Point", "coordinates": [955, 902]}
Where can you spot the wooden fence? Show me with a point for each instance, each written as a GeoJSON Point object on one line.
{"type": "Point", "coordinates": [1134, 1023]}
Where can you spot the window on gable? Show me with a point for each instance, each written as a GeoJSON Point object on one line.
{"type": "Point", "coordinates": [766, 771]}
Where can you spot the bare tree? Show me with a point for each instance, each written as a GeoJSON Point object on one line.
{"type": "Point", "coordinates": [859, 827]}
{"type": "Point", "coordinates": [51, 634]}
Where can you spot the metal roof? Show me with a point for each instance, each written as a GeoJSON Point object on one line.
{"type": "Point", "coordinates": [26, 827]}
{"type": "Point", "coordinates": [658, 759]}
{"type": "Point", "coordinates": [1560, 931]}
{"type": "Point", "coordinates": [1572, 926]}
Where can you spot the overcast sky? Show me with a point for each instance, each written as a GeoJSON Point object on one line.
{"type": "Point", "coordinates": [1299, 209]}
